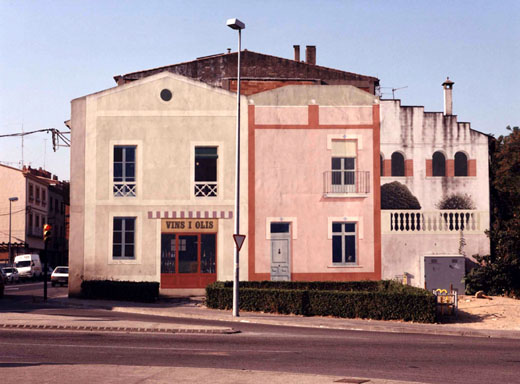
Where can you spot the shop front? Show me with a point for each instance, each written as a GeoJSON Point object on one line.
{"type": "Point", "coordinates": [188, 252]}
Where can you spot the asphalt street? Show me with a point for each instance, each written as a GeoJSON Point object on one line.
{"type": "Point", "coordinates": [410, 357]}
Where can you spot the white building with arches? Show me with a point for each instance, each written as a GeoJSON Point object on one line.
{"type": "Point", "coordinates": [434, 155]}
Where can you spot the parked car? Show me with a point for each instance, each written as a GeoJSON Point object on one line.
{"type": "Point", "coordinates": [2, 282]}
{"type": "Point", "coordinates": [11, 274]}
{"type": "Point", "coordinates": [60, 276]}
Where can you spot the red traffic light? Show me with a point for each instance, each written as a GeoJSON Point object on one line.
{"type": "Point", "coordinates": [47, 231]}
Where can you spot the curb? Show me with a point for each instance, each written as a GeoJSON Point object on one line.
{"type": "Point", "coordinates": [385, 328]}
{"type": "Point", "coordinates": [223, 331]}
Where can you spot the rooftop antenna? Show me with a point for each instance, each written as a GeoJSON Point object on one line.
{"type": "Point", "coordinates": [396, 89]}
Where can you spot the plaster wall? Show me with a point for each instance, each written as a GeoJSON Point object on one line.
{"type": "Point", "coordinates": [165, 135]}
{"type": "Point", "coordinates": [77, 195]}
{"type": "Point", "coordinates": [290, 184]}
{"type": "Point", "coordinates": [405, 252]}
{"type": "Point", "coordinates": [293, 129]}
{"type": "Point", "coordinates": [417, 135]}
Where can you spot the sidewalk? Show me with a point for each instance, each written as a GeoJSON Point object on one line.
{"type": "Point", "coordinates": [192, 307]}
{"type": "Point", "coordinates": [114, 374]}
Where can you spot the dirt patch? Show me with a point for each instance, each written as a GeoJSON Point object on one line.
{"type": "Point", "coordinates": [493, 313]}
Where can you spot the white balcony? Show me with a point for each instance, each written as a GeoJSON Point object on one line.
{"type": "Point", "coordinates": [434, 222]}
{"type": "Point", "coordinates": [346, 182]}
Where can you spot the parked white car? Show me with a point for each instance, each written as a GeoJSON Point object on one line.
{"type": "Point", "coordinates": [60, 276]}
{"type": "Point", "coordinates": [11, 274]}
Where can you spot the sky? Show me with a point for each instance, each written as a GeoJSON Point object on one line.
{"type": "Point", "coordinates": [54, 51]}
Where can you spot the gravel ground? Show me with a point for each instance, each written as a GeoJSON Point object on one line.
{"type": "Point", "coordinates": [494, 312]}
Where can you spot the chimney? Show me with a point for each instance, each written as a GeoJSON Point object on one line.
{"type": "Point", "coordinates": [296, 52]}
{"type": "Point", "coordinates": [310, 54]}
{"type": "Point", "coordinates": [448, 97]}
{"type": "Point", "coordinates": [229, 51]}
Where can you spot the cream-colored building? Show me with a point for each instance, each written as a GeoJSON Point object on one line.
{"type": "Point", "coordinates": [152, 183]}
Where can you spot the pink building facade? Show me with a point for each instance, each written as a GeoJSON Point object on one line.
{"type": "Point", "coordinates": [314, 198]}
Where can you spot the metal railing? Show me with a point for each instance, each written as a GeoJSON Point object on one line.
{"type": "Point", "coordinates": [205, 189]}
{"type": "Point", "coordinates": [124, 189]}
{"type": "Point", "coordinates": [346, 182]}
{"type": "Point", "coordinates": [441, 221]}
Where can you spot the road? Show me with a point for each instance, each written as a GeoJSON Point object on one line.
{"type": "Point", "coordinates": [422, 358]}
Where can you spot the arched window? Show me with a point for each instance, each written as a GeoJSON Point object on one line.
{"type": "Point", "coordinates": [397, 164]}
{"type": "Point", "coordinates": [438, 164]}
{"type": "Point", "coordinates": [382, 165]}
{"type": "Point", "coordinates": [461, 164]}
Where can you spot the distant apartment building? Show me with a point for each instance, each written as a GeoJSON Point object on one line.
{"type": "Point", "coordinates": [153, 173]}
{"type": "Point", "coordinates": [41, 199]}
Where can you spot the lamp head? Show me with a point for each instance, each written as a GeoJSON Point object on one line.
{"type": "Point", "coordinates": [235, 24]}
{"type": "Point", "coordinates": [12, 199]}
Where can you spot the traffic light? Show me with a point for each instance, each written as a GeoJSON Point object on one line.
{"type": "Point", "coordinates": [47, 232]}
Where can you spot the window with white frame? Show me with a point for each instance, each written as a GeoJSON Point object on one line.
{"type": "Point", "coordinates": [343, 174]}
{"type": "Point", "coordinates": [344, 243]}
{"type": "Point", "coordinates": [123, 239]}
{"type": "Point", "coordinates": [124, 171]}
{"type": "Point", "coordinates": [206, 171]}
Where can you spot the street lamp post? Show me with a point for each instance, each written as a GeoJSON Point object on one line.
{"type": "Point", "coordinates": [11, 200]}
{"type": "Point", "coordinates": [237, 25]}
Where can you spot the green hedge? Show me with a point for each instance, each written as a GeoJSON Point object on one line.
{"type": "Point", "coordinates": [363, 285]}
{"type": "Point", "coordinates": [120, 290]}
{"type": "Point", "coordinates": [383, 300]}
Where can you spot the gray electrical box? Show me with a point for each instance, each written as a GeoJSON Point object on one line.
{"type": "Point", "coordinates": [445, 272]}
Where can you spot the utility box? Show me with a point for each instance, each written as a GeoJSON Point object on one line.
{"type": "Point", "coordinates": [445, 272]}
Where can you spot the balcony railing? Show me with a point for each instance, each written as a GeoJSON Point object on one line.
{"type": "Point", "coordinates": [441, 221]}
{"type": "Point", "coordinates": [346, 182]}
{"type": "Point", "coordinates": [205, 189]}
{"type": "Point", "coordinates": [124, 189]}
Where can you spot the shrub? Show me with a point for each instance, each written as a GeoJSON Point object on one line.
{"type": "Point", "coordinates": [362, 299]}
{"type": "Point", "coordinates": [495, 276]}
{"type": "Point", "coordinates": [397, 196]}
{"type": "Point", "coordinates": [363, 285]}
{"type": "Point", "coordinates": [456, 201]}
{"type": "Point", "coordinates": [120, 290]}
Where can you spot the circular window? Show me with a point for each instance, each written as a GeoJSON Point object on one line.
{"type": "Point", "coordinates": [166, 95]}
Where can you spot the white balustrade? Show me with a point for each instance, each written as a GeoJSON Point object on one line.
{"type": "Point", "coordinates": [440, 221]}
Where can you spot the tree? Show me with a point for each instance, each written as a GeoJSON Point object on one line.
{"type": "Point", "coordinates": [397, 196]}
{"type": "Point", "coordinates": [499, 272]}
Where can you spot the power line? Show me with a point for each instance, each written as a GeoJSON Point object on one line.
{"type": "Point", "coordinates": [28, 133]}
{"type": "Point", "coordinates": [58, 138]}
{"type": "Point", "coordinates": [12, 213]}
